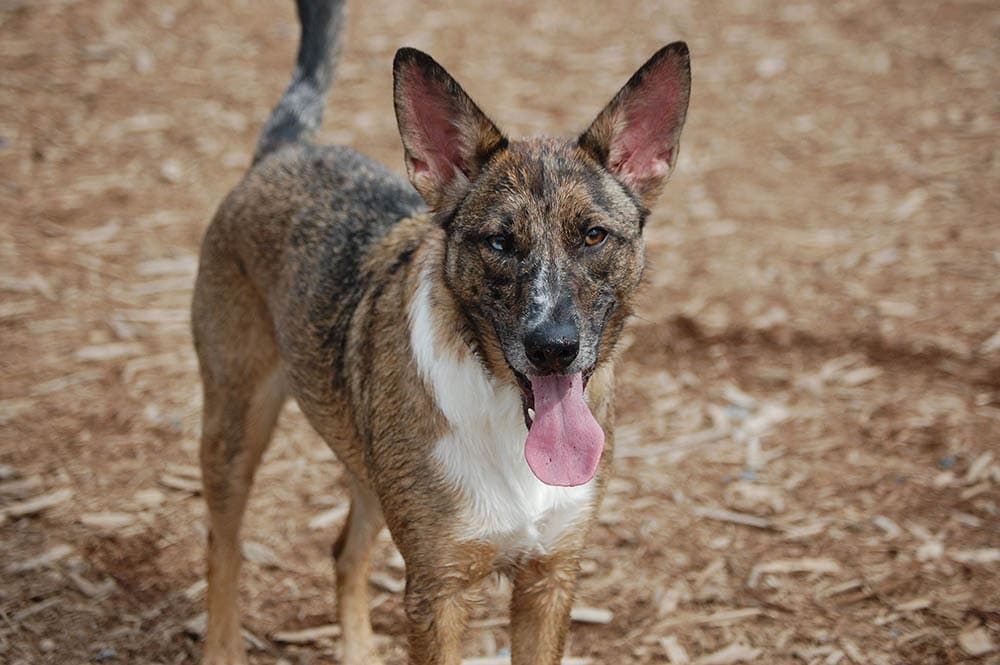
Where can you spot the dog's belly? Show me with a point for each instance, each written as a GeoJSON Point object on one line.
{"type": "Point", "coordinates": [482, 455]}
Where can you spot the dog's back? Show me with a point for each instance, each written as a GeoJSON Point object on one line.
{"type": "Point", "coordinates": [293, 239]}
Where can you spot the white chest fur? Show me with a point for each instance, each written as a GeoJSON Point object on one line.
{"type": "Point", "coordinates": [483, 454]}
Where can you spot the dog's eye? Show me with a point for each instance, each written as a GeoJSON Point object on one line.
{"type": "Point", "coordinates": [502, 243]}
{"type": "Point", "coordinates": [595, 236]}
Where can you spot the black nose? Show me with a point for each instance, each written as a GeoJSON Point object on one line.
{"type": "Point", "coordinates": [552, 347]}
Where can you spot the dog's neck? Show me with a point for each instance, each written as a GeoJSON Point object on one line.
{"type": "Point", "coordinates": [453, 326]}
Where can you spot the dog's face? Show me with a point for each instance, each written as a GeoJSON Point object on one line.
{"type": "Point", "coordinates": [544, 237]}
{"type": "Point", "coordinates": [543, 255]}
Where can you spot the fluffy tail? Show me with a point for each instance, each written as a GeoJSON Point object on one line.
{"type": "Point", "coordinates": [300, 111]}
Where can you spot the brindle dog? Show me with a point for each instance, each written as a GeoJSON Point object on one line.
{"type": "Point", "coordinates": [453, 345]}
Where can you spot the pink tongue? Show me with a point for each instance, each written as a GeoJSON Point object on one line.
{"type": "Point", "coordinates": [565, 442]}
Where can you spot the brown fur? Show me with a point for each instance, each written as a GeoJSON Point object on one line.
{"type": "Point", "coordinates": [306, 279]}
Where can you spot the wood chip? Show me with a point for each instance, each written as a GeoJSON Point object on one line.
{"type": "Point", "coordinates": [329, 517]}
{"type": "Point", "coordinates": [984, 555]}
{"type": "Point", "coordinates": [21, 487]}
{"type": "Point", "coordinates": [914, 605]}
{"type": "Point", "coordinates": [102, 352]}
{"type": "Point", "coordinates": [43, 560]}
{"type": "Point", "coordinates": [260, 554]}
{"type": "Point", "coordinates": [37, 504]}
{"type": "Point", "coordinates": [675, 652]}
{"type": "Point", "coordinates": [37, 608]}
{"type": "Point", "coordinates": [505, 660]}
{"type": "Point", "coordinates": [307, 635]}
{"type": "Point", "coordinates": [583, 614]}
{"type": "Point", "coordinates": [63, 382]}
{"type": "Point", "coordinates": [10, 310]}
{"type": "Point", "coordinates": [149, 498]}
{"type": "Point", "coordinates": [930, 550]}
{"type": "Point", "coordinates": [860, 376]}
{"type": "Point", "coordinates": [196, 590]}
{"type": "Point", "coordinates": [164, 363]}
{"type": "Point", "coordinates": [90, 589]}
{"type": "Point", "coordinates": [108, 521]}
{"type": "Point", "coordinates": [787, 566]}
{"type": "Point", "coordinates": [852, 652]}
{"type": "Point", "coordinates": [186, 265]}
{"type": "Point", "coordinates": [732, 516]}
{"type": "Point", "coordinates": [12, 408]}
{"type": "Point", "coordinates": [184, 471]}
{"type": "Point", "coordinates": [838, 589]}
{"type": "Point", "coordinates": [721, 618]}
{"type": "Point", "coordinates": [196, 625]}
{"type": "Point", "coordinates": [387, 582]}
{"type": "Point", "coordinates": [683, 442]}
{"type": "Point", "coordinates": [154, 315]}
{"type": "Point", "coordinates": [976, 642]}
{"type": "Point", "coordinates": [34, 283]}
{"type": "Point", "coordinates": [979, 469]}
{"type": "Point", "coordinates": [890, 528]}
{"type": "Point", "coordinates": [168, 285]}
{"type": "Point", "coordinates": [179, 483]}
{"type": "Point", "coordinates": [98, 234]}
{"type": "Point", "coordinates": [734, 653]}
{"type": "Point", "coordinates": [991, 345]}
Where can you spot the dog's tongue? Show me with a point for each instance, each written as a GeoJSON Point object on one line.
{"type": "Point", "coordinates": [565, 442]}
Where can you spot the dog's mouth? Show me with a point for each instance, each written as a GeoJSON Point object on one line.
{"type": "Point", "coordinates": [565, 441]}
{"type": "Point", "coordinates": [528, 395]}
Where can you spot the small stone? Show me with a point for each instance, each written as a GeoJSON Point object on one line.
{"type": "Point", "coordinates": [172, 171]}
{"type": "Point", "coordinates": [770, 67]}
{"type": "Point", "coordinates": [106, 654]}
{"type": "Point", "coordinates": [143, 61]}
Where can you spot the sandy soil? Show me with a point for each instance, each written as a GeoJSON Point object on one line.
{"type": "Point", "coordinates": [810, 412]}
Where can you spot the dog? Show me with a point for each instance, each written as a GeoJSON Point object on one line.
{"type": "Point", "coordinates": [452, 342]}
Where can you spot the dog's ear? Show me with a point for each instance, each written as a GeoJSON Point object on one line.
{"type": "Point", "coordinates": [446, 138]}
{"type": "Point", "coordinates": [637, 135]}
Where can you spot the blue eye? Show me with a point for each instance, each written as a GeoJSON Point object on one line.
{"type": "Point", "coordinates": [502, 243]}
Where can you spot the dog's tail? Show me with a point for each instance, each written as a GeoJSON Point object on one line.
{"type": "Point", "coordinates": [300, 111]}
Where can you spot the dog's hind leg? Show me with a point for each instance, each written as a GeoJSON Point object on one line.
{"type": "Point", "coordinates": [243, 395]}
{"type": "Point", "coordinates": [352, 557]}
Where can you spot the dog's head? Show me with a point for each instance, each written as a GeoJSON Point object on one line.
{"type": "Point", "coordinates": [544, 241]}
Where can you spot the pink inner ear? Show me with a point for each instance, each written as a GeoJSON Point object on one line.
{"type": "Point", "coordinates": [434, 141]}
{"type": "Point", "coordinates": [644, 146]}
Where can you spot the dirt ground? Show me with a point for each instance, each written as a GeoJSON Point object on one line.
{"type": "Point", "coordinates": [808, 469]}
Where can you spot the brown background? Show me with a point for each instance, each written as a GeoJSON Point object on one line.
{"type": "Point", "coordinates": [817, 351]}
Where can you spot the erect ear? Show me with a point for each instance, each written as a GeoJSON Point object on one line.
{"type": "Point", "coordinates": [446, 138]}
{"type": "Point", "coordinates": [637, 135]}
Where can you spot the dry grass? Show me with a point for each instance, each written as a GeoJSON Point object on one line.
{"type": "Point", "coordinates": [810, 407]}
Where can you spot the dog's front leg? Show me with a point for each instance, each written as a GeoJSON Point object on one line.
{"type": "Point", "coordinates": [437, 600]}
{"type": "Point", "coordinates": [539, 609]}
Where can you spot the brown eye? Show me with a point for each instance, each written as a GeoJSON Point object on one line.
{"type": "Point", "coordinates": [595, 236]}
